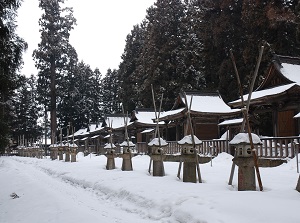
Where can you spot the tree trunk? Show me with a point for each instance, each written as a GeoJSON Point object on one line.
{"type": "Point", "coordinates": [53, 98]}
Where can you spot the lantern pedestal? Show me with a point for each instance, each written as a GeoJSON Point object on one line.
{"type": "Point", "coordinates": [67, 155]}
{"type": "Point", "coordinates": [54, 153]}
{"type": "Point", "coordinates": [127, 162]}
{"type": "Point", "coordinates": [158, 165]}
{"type": "Point", "coordinates": [73, 155]}
{"type": "Point", "coordinates": [189, 168]}
{"type": "Point", "coordinates": [60, 154]}
{"type": "Point", "coordinates": [246, 173]}
{"type": "Point", "coordinates": [110, 164]}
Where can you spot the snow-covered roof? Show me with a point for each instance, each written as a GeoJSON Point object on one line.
{"type": "Point", "coordinates": [95, 127]}
{"type": "Point", "coordinates": [157, 142]}
{"type": "Point", "coordinates": [116, 121]}
{"type": "Point", "coordinates": [291, 72]}
{"type": "Point", "coordinates": [80, 132]}
{"type": "Point", "coordinates": [244, 138]}
{"type": "Point", "coordinates": [266, 92]}
{"type": "Point", "coordinates": [147, 130]}
{"type": "Point", "coordinates": [209, 104]}
{"type": "Point", "coordinates": [188, 140]}
{"type": "Point", "coordinates": [171, 112]}
{"type": "Point", "coordinates": [146, 117]}
{"type": "Point", "coordinates": [232, 121]}
{"type": "Point", "coordinates": [297, 116]}
{"type": "Point", "coordinates": [94, 136]}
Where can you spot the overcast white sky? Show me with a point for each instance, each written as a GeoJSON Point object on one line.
{"type": "Point", "coordinates": [99, 37]}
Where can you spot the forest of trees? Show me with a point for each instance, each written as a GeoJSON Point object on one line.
{"type": "Point", "coordinates": [180, 45]}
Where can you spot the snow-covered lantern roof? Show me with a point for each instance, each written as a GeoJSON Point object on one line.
{"type": "Point", "coordinates": [157, 145]}
{"type": "Point", "coordinates": [158, 142]}
{"type": "Point", "coordinates": [110, 148]}
{"type": "Point", "coordinates": [73, 145]}
{"type": "Point", "coordinates": [187, 144]}
{"type": "Point", "coordinates": [53, 146]}
{"type": "Point", "coordinates": [242, 143]}
{"type": "Point", "coordinates": [188, 140]}
{"type": "Point", "coordinates": [127, 144]}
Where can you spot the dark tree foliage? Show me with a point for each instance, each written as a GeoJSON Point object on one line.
{"type": "Point", "coordinates": [244, 26]}
{"type": "Point", "coordinates": [55, 57]}
{"type": "Point", "coordinates": [163, 64]}
{"type": "Point", "coordinates": [11, 48]}
{"type": "Point", "coordinates": [26, 111]}
{"type": "Point", "coordinates": [129, 78]}
{"type": "Point", "coordinates": [81, 101]}
{"type": "Point", "coordinates": [110, 99]}
{"type": "Point", "coordinates": [186, 45]}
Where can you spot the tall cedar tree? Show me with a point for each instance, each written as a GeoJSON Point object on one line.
{"type": "Point", "coordinates": [82, 95]}
{"type": "Point", "coordinates": [55, 57]}
{"type": "Point", "coordinates": [11, 49]}
{"type": "Point", "coordinates": [110, 88]}
{"type": "Point", "coordinates": [161, 59]}
{"type": "Point", "coordinates": [244, 26]}
{"type": "Point", "coordinates": [129, 79]}
{"type": "Point", "coordinates": [165, 53]}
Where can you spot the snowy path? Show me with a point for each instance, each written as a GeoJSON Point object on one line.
{"type": "Point", "coordinates": [58, 200]}
{"type": "Point", "coordinates": [84, 191]}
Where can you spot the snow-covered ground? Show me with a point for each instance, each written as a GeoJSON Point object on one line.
{"type": "Point", "coordinates": [56, 191]}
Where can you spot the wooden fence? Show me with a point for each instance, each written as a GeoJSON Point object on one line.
{"type": "Point", "coordinates": [271, 147]}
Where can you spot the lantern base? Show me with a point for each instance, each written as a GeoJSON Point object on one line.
{"type": "Point", "coordinates": [67, 156]}
{"type": "Point", "coordinates": [246, 173]}
{"type": "Point", "coordinates": [127, 162]}
{"type": "Point", "coordinates": [110, 164]}
{"type": "Point", "coordinates": [189, 168]}
{"type": "Point", "coordinates": [73, 157]}
{"type": "Point", "coordinates": [158, 165]}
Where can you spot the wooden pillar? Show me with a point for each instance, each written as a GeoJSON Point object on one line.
{"type": "Point", "coordinates": [275, 121]}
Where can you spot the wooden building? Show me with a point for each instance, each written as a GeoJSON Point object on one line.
{"type": "Point", "coordinates": [277, 100]}
{"type": "Point", "coordinates": [207, 111]}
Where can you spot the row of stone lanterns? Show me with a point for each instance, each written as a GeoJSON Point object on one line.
{"type": "Point", "coordinates": [30, 151]}
{"type": "Point", "coordinates": [126, 155]}
{"type": "Point", "coordinates": [69, 149]}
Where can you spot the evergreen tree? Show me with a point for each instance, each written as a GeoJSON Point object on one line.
{"type": "Point", "coordinates": [55, 56]}
{"type": "Point", "coordinates": [244, 26]}
{"type": "Point", "coordinates": [11, 49]}
{"type": "Point", "coordinates": [161, 61]}
{"type": "Point", "coordinates": [81, 102]}
{"type": "Point", "coordinates": [26, 111]}
{"type": "Point", "coordinates": [110, 88]}
{"type": "Point", "coordinates": [128, 75]}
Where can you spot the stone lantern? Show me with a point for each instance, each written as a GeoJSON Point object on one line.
{"type": "Point", "coordinates": [73, 150]}
{"type": "Point", "coordinates": [188, 157]}
{"type": "Point", "coordinates": [244, 160]}
{"type": "Point", "coordinates": [61, 149]}
{"type": "Point", "coordinates": [110, 154]}
{"type": "Point", "coordinates": [53, 151]}
{"type": "Point", "coordinates": [157, 156]}
{"type": "Point", "coordinates": [67, 152]}
{"type": "Point", "coordinates": [127, 155]}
